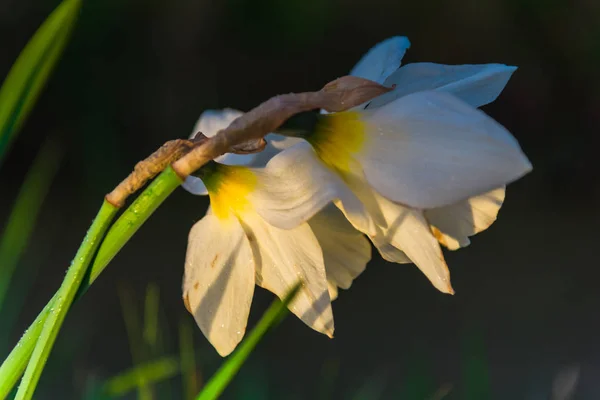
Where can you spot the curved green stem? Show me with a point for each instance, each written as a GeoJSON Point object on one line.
{"type": "Point", "coordinates": [122, 230]}
{"type": "Point", "coordinates": [63, 299]}
{"type": "Point", "coordinates": [215, 386]}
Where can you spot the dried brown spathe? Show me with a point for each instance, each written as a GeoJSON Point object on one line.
{"type": "Point", "coordinates": [338, 95]}
{"type": "Point", "coordinates": [246, 133]}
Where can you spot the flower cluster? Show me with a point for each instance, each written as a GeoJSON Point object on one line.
{"type": "Point", "coordinates": [414, 169]}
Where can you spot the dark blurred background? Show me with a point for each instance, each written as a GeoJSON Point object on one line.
{"type": "Point", "coordinates": [138, 73]}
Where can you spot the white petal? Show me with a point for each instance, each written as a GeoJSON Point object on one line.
{"type": "Point", "coordinates": [275, 144]}
{"type": "Point", "coordinates": [333, 290]}
{"type": "Point", "coordinates": [429, 149]}
{"type": "Point", "coordinates": [285, 257]}
{"type": "Point", "coordinates": [295, 185]}
{"type": "Point", "coordinates": [390, 253]}
{"type": "Point", "coordinates": [219, 281]}
{"type": "Point", "coordinates": [356, 212]}
{"type": "Point", "coordinates": [409, 231]}
{"type": "Point", "coordinates": [346, 251]}
{"type": "Point", "coordinates": [209, 123]}
{"type": "Point", "coordinates": [194, 185]}
{"type": "Point", "coordinates": [476, 85]}
{"type": "Point", "coordinates": [382, 59]}
{"type": "Point", "coordinates": [212, 121]}
{"type": "Point", "coordinates": [282, 142]}
{"type": "Point", "coordinates": [453, 224]}
{"type": "Point", "coordinates": [375, 206]}
{"type": "Point", "coordinates": [360, 207]}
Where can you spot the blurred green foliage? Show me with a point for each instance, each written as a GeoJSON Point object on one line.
{"type": "Point", "coordinates": [31, 70]}
{"type": "Point", "coordinates": [23, 216]}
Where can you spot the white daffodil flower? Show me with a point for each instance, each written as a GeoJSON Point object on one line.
{"type": "Point", "coordinates": [428, 165]}
{"type": "Point", "coordinates": [415, 168]}
{"type": "Point", "coordinates": [234, 247]}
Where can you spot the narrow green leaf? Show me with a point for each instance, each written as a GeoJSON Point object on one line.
{"type": "Point", "coordinates": [64, 298]}
{"type": "Point", "coordinates": [372, 388]}
{"type": "Point", "coordinates": [187, 356]}
{"type": "Point", "coordinates": [142, 375]}
{"type": "Point", "coordinates": [131, 220]}
{"type": "Point", "coordinates": [329, 374]}
{"type": "Point", "coordinates": [132, 325]}
{"type": "Point", "coordinates": [32, 68]}
{"type": "Point", "coordinates": [215, 386]}
{"type": "Point", "coordinates": [25, 211]}
{"type": "Point", "coordinates": [151, 310]}
{"type": "Point", "coordinates": [474, 367]}
{"type": "Point", "coordinates": [15, 363]}
{"type": "Point", "coordinates": [134, 332]}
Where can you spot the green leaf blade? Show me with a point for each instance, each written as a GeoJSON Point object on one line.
{"type": "Point", "coordinates": [274, 314]}
{"type": "Point", "coordinates": [63, 299]}
{"type": "Point", "coordinates": [25, 211]}
{"type": "Point", "coordinates": [31, 70]}
{"type": "Point", "coordinates": [125, 227]}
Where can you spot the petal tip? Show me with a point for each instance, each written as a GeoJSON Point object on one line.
{"type": "Point", "coordinates": [224, 352]}
{"type": "Point", "coordinates": [186, 303]}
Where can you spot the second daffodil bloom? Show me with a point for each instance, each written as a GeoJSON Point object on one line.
{"type": "Point", "coordinates": [426, 163]}
{"type": "Point", "coordinates": [233, 248]}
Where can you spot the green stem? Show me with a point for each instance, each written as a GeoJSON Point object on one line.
{"type": "Point", "coordinates": [15, 363]}
{"type": "Point", "coordinates": [131, 220]}
{"type": "Point", "coordinates": [215, 386]}
{"type": "Point", "coordinates": [63, 299]}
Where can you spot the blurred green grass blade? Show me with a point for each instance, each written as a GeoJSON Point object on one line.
{"type": "Point", "coordinates": [94, 390]}
{"type": "Point", "coordinates": [475, 369]}
{"type": "Point", "coordinates": [142, 375]}
{"type": "Point", "coordinates": [133, 328]}
{"type": "Point", "coordinates": [254, 385]}
{"type": "Point", "coordinates": [23, 279]}
{"type": "Point", "coordinates": [215, 386]}
{"type": "Point", "coordinates": [329, 374]}
{"type": "Point", "coordinates": [187, 357]}
{"type": "Point", "coordinates": [151, 310]}
{"type": "Point", "coordinates": [123, 229]}
{"type": "Point", "coordinates": [372, 389]}
{"type": "Point", "coordinates": [63, 299]}
{"type": "Point", "coordinates": [25, 211]}
{"type": "Point", "coordinates": [419, 382]}
{"type": "Point", "coordinates": [132, 325]}
{"type": "Point", "coordinates": [32, 68]}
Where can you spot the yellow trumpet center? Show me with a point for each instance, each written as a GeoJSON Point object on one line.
{"type": "Point", "coordinates": [337, 138]}
{"type": "Point", "coordinates": [228, 188]}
